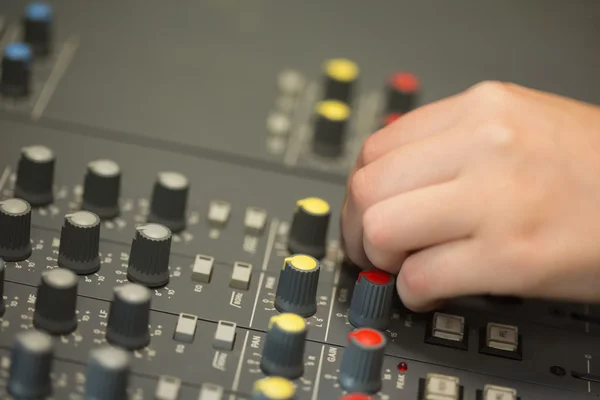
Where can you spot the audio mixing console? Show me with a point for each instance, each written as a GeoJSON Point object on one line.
{"type": "Point", "coordinates": [171, 175]}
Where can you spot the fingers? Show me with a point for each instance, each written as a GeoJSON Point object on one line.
{"type": "Point", "coordinates": [415, 220]}
{"type": "Point", "coordinates": [428, 162]}
{"type": "Point", "coordinates": [452, 269]}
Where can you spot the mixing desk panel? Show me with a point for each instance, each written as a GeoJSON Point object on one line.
{"type": "Point", "coordinates": [170, 188]}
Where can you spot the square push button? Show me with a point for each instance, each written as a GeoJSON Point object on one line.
{"type": "Point", "coordinates": [447, 330]}
{"type": "Point", "coordinates": [501, 340]}
{"type": "Point", "coordinates": [441, 387]}
{"type": "Point", "coordinates": [491, 392]}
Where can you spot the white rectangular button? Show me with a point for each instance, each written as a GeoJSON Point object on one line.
{"type": "Point", "coordinates": [168, 388]}
{"type": "Point", "coordinates": [203, 267]}
{"type": "Point", "coordinates": [449, 327]}
{"type": "Point", "coordinates": [219, 212]}
{"type": "Point", "coordinates": [240, 278]}
{"type": "Point", "coordinates": [491, 392]}
{"type": "Point", "coordinates": [441, 387]}
{"type": "Point", "coordinates": [255, 219]}
{"type": "Point", "coordinates": [210, 392]}
{"type": "Point", "coordinates": [224, 335]}
{"type": "Point", "coordinates": [186, 328]}
{"type": "Point", "coordinates": [502, 337]}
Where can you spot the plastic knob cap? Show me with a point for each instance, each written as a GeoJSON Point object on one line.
{"type": "Point", "coordinates": [273, 388]}
{"type": "Point", "coordinates": [297, 287]}
{"type": "Point", "coordinates": [169, 201]}
{"type": "Point", "coordinates": [149, 258]}
{"type": "Point", "coordinates": [15, 230]}
{"type": "Point", "coordinates": [107, 375]}
{"type": "Point", "coordinates": [102, 188]}
{"type": "Point", "coordinates": [332, 118]}
{"type": "Point", "coordinates": [371, 303]}
{"type": "Point", "coordinates": [362, 361]}
{"type": "Point", "coordinates": [35, 175]}
{"type": "Point", "coordinates": [30, 365]}
{"type": "Point", "coordinates": [15, 81]}
{"type": "Point", "coordinates": [129, 316]}
{"type": "Point", "coordinates": [38, 28]}
{"type": "Point", "coordinates": [308, 232]}
{"type": "Point", "coordinates": [79, 243]}
{"type": "Point", "coordinates": [341, 76]}
{"type": "Point", "coordinates": [283, 352]}
{"type": "Point", "coordinates": [56, 302]}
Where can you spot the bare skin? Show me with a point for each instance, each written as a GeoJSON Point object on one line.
{"type": "Point", "coordinates": [495, 190]}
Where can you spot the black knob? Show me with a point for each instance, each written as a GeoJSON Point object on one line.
{"type": "Point", "coordinates": [297, 287]}
{"type": "Point", "coordinates": [37, 25]}
{"type": "Point", "coordinates": [129, 316]}
{"type": "Point", "coordinates": [35, 175]}
{"type": "Point", "coordinates": [15, 230]}
{"type": "Point", "coordinates": [273, 388]}
{"type": "Point", "coordinates": [56, 302]}
{"type": "Point", "coordinates": [169, 201]}
{"type": "Point", "coordinates": [362, 361]}
{"type": "Point", "coordinates": [30, 365]}
{"type": "Point", "coordinates": [149, 257]}
{"type": "Point", "coordinates": [16, 70]}
{"type": "Point", "coordinates": [107, 374]}
{"type": "Point", "coordinates": [283, 350]}
{"type": "Point", "coordinates": [308, 232]}
{"type": "Point", "coordinates": [340, 79]}
{"type": "Point", "coordinates": [79, 243]}
{"type": "Point", "coordinates": [2, 271]}
{"type": "Point", "coordinates": [402, 91]}
{"type": "Point", "coordinates": [101, 188]}
{"type": "Point", "coordinates": [330, 128]}
{"type": "Point", "coordinates": [371, 303]}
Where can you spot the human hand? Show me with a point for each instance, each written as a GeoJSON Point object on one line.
{"type": "Point", "coordinates": [493, 191]}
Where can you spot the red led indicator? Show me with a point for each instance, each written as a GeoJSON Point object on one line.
{"type": "Point", "coordinates": [356, 396]}
{"type": "Point", "coordinates": [366, 337]}
{"type": "Point", "coordinates": [405, 82]}
{"type": "Point", "coordinates": [390, 118]}
{"type": "Point", "coordinates": [402, 366]}
{"type": "Point", "coordinates": [375, 276]}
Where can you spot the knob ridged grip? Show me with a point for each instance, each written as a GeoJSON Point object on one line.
{"type": "Point", "coordinates": [273, 388]}
{"type": "Point", "coordinates": [107, 374]}
{"type": "Point", "coordinates": [297, 287]}
{"type": "Point", "coordinates": [150, 253]}
{"type": "Point", "coordinates": [30, 365]}
{"type": "Point", "coordinates": [308, 232]}
{"type": "Point", "coordinates": [15, 230]}
{"type": "Point", "coordinates": [371, 302]}
{"type": "Point", "coordinates": [330, 128]}
{"type": "Point", "coordinates": [169, 201]}
{"type": "Point", "coordinates": [15, 79]}
{"type": "Point", "coordinates": [2, 272]}
{"type": "Point", "coordinates": [35, 175]}
{"type": "Point", "coordinates": [79, 243]}
{"type": "Point", "coordinates": [102, 188]}
{"type": "Point", "coordinates": [37, 25]}
{"type": "Point", "coordinates": [362, 361]}
{"type": "Point", "coordinates": [56, 302]}
{"type": "Point", "coordinates": [129, 316]}
{"type": "Point", "coordinates": [283, 350]}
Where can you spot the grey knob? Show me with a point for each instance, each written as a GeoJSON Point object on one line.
{"type": "Point", "coordinates": [35, 175]}
{"type": "Point", "coordinates": [102, 188]}
{"type": "Point", "coordinates": [80, 242]}
{"type": "Point", "coordinates": [297, 287]}
{"type": "Point", "coordinates": [149, 256]}
{"type": "Point", "coordinates": [362, 361]}
{"type": "Point", "coordinates": [129, 316]}
{"type": "Point", "coordinates": [372, 298]}
{"type": "Point", "coordinates": [15, 230]}
{"type": "Point", "coordinates": [310, 224]}
{"type": "Point", "coordinates": [169, 201]}
{"type": "Point", "coordinates": [30, 365]}
{"type": "Point", "coordinates": [56, 302]}
{"type": "Point", "coordinates": [273, 388]}
{"type": "Point", "coordinates": [283, 352]}
{"type": "Point", "coordinates": [107, 374]}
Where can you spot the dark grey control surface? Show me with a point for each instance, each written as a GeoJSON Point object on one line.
{"type": "Point", "coordinates": [166, 155]}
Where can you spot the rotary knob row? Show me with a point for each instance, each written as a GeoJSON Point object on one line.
{"type": "Point", "coordinates": [101, 188]}
{"type": "Point", "coordinates": [31, 364]}
{"type": "Point", "coordinates": [15, 79]}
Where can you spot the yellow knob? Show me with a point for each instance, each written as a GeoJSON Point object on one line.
{"type": "Point", "coordinates": [273, 388]}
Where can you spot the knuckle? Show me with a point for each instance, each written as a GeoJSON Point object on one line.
{"type": "Point", "coordinates": [359, 189]}
{"type": "Point", "coordinates": [375, 232]}
{"type": "Point", "coordinates": [413, 280]}
{"type": "Point", "coordinates": [369, 150]}
{"type": "Point", "coordinates": [489, 98]}
{"type": "Point", "coordinates": [497, 134]}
